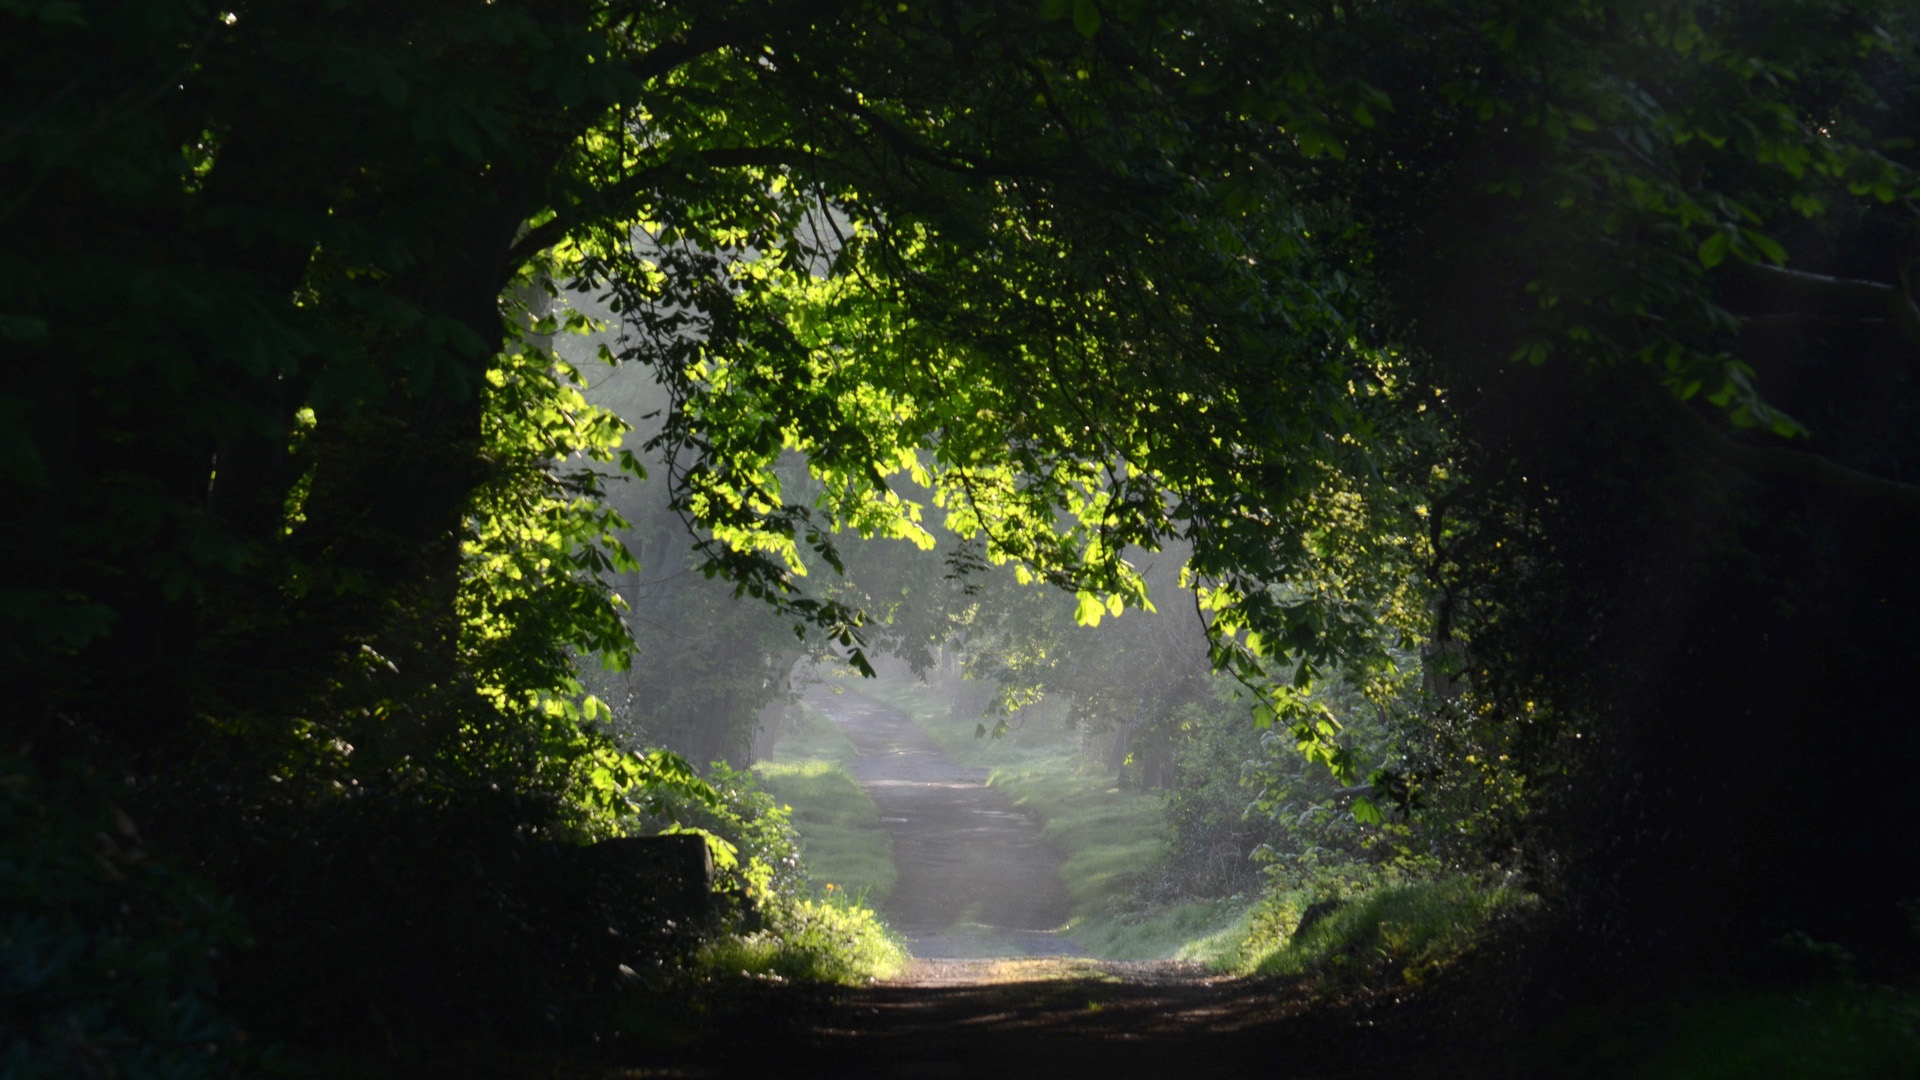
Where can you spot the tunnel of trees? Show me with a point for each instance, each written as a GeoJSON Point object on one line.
{"type": "Point", "coordinates": [1561, 357]}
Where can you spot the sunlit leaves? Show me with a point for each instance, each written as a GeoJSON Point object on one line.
{"type": "Point", "coordinates": [540, 539]}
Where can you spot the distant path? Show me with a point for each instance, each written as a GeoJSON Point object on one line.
{"type": "Point", "coordinates": [975, 877]}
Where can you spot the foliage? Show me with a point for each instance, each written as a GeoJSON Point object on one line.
{"type": "Point", "coordinates": [1565, 344]}
{"type": "Point", "coordinates": [775, 923]}
{"type": "Point", "coordinates": [542, 539]}
{"type": "Point", "coordinates": [756, 851]}
{"type": "Point", "coordinates": [1830, 1029]}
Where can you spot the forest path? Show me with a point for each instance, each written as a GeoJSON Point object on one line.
{"type": "Point", "coordinates": [976, 880]}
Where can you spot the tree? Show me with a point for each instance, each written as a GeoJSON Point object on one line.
{"type": "Point", "coordinates": [979, 266]}
{"type": "Point", "coordinates": [1656, 258]}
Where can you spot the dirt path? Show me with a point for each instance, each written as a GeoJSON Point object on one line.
{"type": "Point", "coordinates": [1061, 1018]}
{"type": "Point", "coordinates": [975, 877]}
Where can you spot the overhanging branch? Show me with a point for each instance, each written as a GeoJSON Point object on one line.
{"type": "Point", "coordinates": [1832, 295]}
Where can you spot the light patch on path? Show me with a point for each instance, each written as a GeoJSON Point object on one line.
{"type": "Point", "coordinates": [988, 971]}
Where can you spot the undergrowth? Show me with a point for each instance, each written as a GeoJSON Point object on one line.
{"type": "Point", "coordinates": [1372, 924]}
{"type": "Point", "coordinates": [821, 927]}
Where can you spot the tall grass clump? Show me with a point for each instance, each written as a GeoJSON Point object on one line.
{"type": "Point", "coordinates": [830, 939]}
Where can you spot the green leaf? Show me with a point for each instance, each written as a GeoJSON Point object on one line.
{"type": "Point", "coordinates": [1809, 205]}
{"type": "Point", "coordinates": [1713, 250]}
{"type": "Point", "coordinates": [1365, 812]}
{"type": "Point", "coordinates": [1768, 246]}
{"type": "Point", "coordinates": [1088, 610]}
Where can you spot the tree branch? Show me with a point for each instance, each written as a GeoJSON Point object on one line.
{"type": "Point", "coordinates": [1896, 302]}
{"type": "Point", "coordinates": [550, 233]}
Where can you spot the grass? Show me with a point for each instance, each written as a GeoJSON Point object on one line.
{"type": "Point", "coordinates": [1183, 931]}
{"type": "Point", "coordinates": [813, 737]}
{"type": "Point", "coordinates": [1113, 841]}
{"type": "Point", "coordinates": [814, 940]}
{"type": "Point", "coordinates": [1405, 931]}
{"type": "Point", "coordinates": [833, 936]}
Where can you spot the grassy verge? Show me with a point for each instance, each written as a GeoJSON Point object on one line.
{"type": "Point", "coordinates": [842, 845]}
{"type": "Point", "coordinates": [1378, 928]}
{"type": "Point", "coordinates": [812, 737]}
{"type": "Point", "coordinates": [833, 935]}
{"type": "Point", "coordinates": [824, 940]}
{"type": "Point", "coordinates": [1404, 931]}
